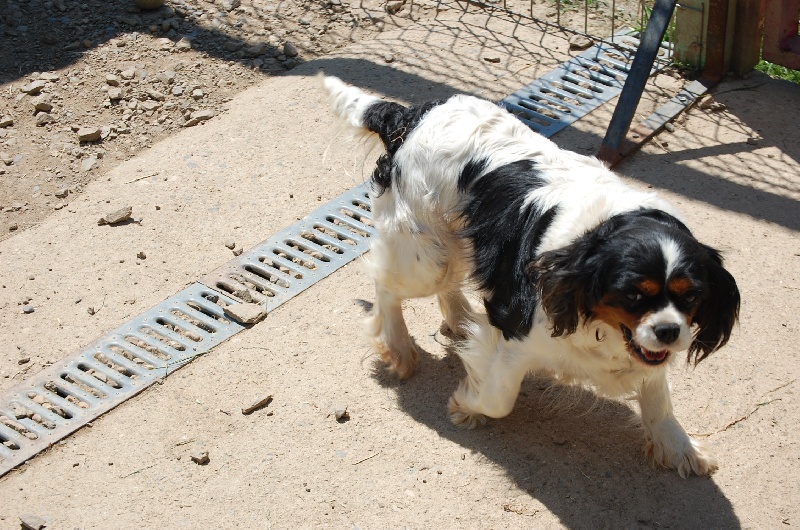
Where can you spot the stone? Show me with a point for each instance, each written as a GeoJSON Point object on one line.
{"type": "Point", "coordinates": [88, 134]}
{"type": "Point", "coordinates": [197, 93]}
{"type": "Point", "coordinates": [184, 44]}
{"type": "Point", "coordinates": [493, 60]}
{"type": "Point", "coordinates": [42, 103]}
{"type": "Point", "coordinates": [43, 119]}
{"type": "Point", "coordinates": [115, 93]}
{"type": "Point", "coordinates": [6, 121]}
{"type": "Point", "coordinates": [238, 251]}
{"type": "Point", "coordinates": [28, 309]}
{"type": "Point", "coordinates": [155, 95]}
{"type": "Point", "coordinates": [112, 80]}
{"type": "Point", "coordinates": [18, 410]}
{"type": "Point", "coordinates": [198, 116]}
{"type": "Point", "coordinates": [62, 193]}
{"type": "Point", "coordinates": [229, 5]}
{"type": "Point", "coordinates": [248, 313]}
{"type": "Point", "coordinates": [117, 216]}
{"type": "Point", "coordinates": [50, 77]}
{"type": "Point", "coordinates": [395, 7]}
{"type": "Point", "coordinates": [141, 255]}
{"type": "Point", "coordinates": [89, 163]}
{"type": "Point", "coordinates": [150, 106]}
{"type": "Point", "coordinates": [579, 42]}
{"type": "Point", "coordinates": [200, 458]}
{"type": "Point", "coordinates": [34, 87]}
{"type": "Point", "coordinates": [230, 243]}
{"type": "Point", "coordinates": [289, 50]}
{"type": "Point", "coordinates": [128, 74]}
{"type": "Point", "coordinates": [32, 522]}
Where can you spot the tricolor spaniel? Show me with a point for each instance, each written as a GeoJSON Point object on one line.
{"type": "Point", "coordinates": [581, 275]}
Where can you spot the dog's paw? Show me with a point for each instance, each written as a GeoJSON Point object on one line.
{"type": "Point", "coordinates": [455, 335]}
{"type": "Point", "coordinates": [682, 453]}
{"type": "Point", "coordinates": [462, 417]}
{"type": "Point", "coordinates": [402, 361]}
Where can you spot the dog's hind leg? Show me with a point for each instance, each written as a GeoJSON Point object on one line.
{"type": "Point", "coordinates": [455, 309]}
{"type": "Point", "coordinates": [387, 329]}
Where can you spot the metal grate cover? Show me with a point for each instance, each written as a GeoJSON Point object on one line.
{"type": "Point", "coordinates": [301, 255]}
{"type": "Point", "coordinates": [577, 86]}
{"type": "Point", "coordinates": [65, 396]}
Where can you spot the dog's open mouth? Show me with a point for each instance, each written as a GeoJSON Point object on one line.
{"type": "Point", "coordinates": [646, 356]}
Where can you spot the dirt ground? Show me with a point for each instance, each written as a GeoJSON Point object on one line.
{"type": "Point", "coordinates": [271, 154]}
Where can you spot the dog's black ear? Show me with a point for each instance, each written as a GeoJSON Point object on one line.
{"type": "Point", "coordinates": [718, 313]}
{"type": "Point", "coordinates": [568, 281]}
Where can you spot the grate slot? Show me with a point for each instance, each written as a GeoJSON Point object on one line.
{"type": "Point", "coordinates": [357, 214]}
{"type": "Point", "coordinates": [334, 233]}
{"type": "Point", "coordinates": [193, 319]}
{"type": "Point", "coordinates": [274, 277]}
{"type": "Point", "coordinates": [146, 345]}
{"type": "Point", "coordinates": [297, 258]}
{"type": "Point", "coordinates": [356, 228]}
{"type": "Point", "coordinates": [309, 249]}
{"type": "Point", "coordinates": [253, 283]}
{"type": "Point", "coordinates": [207, 311]}
{"type": "Point", "coordinates": [48, 409]}
{"type": "Point", "coordinates": [81, 386]}
{"type": "Point", "coordinates": [176, 326]}
{"type": "Point", "coordinates": [282, 266]}
{"type": "Point", "coordinates": [106, 381]}
{"type": "Point", "coordinates": [125, 371]}
{"type": "Point", "coordinates": [13, 426]}
{"type": "Point", "coordinates": [322, 241]}
{"type": "Point", "coordinates": [132, 353]}
{"type": "Point", "coordinates": [542, 110]}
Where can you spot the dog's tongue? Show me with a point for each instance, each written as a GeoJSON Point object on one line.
{"type": "Point", "coordinates": [654, 355]}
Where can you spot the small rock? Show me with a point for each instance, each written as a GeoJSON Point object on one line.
{"type": "Point", "coordinates": [28, 309]}
{"type": "Point", "coordinates": [112, 80]}
{"type": "Point", "coordinates": [88, 134]}
{"type": "Point", "coordinates": [117, 216]}
{"type": "Point", "coordinates": [141, 255]}
{"type": "Point", "coordinates": [388, 58]}
{"type": "Point", "coordinates": [200, 458]}
{"type": "Point", "coordinates": [339, 411]}
{"type": "Point", "coordinates": [24, 360]}
{"type": "Point", "coordinates": [6, 121]}
{"type": "Point", "coordinates": [18, 410]}
{"type": "Point", "coordinates": [197, 94]}
{"type": "Point", "coordinates": [89, 163]}
{"type": "Point", "coordinates": [493, 60]}
{"type": "Point", "coordinates": [43, 119]}
{"type": "Point", "coordinates": [229, 5]}
{"type": "Point", "coordinates": [198, 116]}
{"type": "Point", "coordinates": [395, 7]}
{"type": "Point", "coordinates": [42, 103]}
{"type": "Point", "coordinates": [177, 90]}
{"type": "Point", "coordinates": [669, 127]}
{"type": "Point", "coordinates": [305, 21]}
{"type": "Point", "coordinates": [184, 44]}
{"type": "Point", "coordinates": [579, 42]}
{"type": "Point", "coordinates": [32, 522]}
{"type": "Point", "coordinates": [128, 74]}
{"type": "Point", "coordinates": [115, 93]}
{"type": "Point", "coordinates": [289, 50]}
{"type": "Point", "coordinates": [230, 243]}
{"type": "Point", "coordinates": [90, 310]}
{"type": "Point", "coordinates": [244, 295]}
{"type": "Point", "coordinates": [753, 140]}
{"type": "Point", "coordinates": [238, 251]}
{"type": "Point", "coordinates": [150, 105]}
{"type": "Point", "coordinates": [62, 193]}
{"type": "Point", "coordinates": [13, 227]}
{"type": "Point", "coordinates": [34, 87]}
{"type": "Point", "coordinates": [248, 313]}
{"type": "Point", "coordinates": [50, 77]}
{"type": "Point", "coordinates": [156, 95]}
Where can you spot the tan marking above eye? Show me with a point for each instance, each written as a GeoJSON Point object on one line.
{"type": "Point", "coordinates": [649, 287]}
{"type": "Point", "coordinates": [680, 286]}
{"type": "Point", "coordinates": [614, 316]}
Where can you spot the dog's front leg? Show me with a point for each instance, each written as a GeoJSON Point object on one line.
{"type": "Point", "coordinates": [494, 376]}
{"type": "Point", "coordinates": [668, 445]}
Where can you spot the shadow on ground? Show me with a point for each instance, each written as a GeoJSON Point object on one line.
{"type": "Point", "coordinates": [579, 455]}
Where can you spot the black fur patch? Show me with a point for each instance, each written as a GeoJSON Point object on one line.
{"type": "Point", "coordinates": [505, 235]}
{"type": "Point", "coordinates": [393, 123]}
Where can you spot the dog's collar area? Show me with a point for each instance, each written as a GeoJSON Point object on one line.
{"type": "Point", "coordinates": [653, 358]}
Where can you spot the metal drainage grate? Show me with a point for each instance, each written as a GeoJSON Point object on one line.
{"type": "Point", "coordinates": [65, 396]}
{"type": "Point", "coordinates": [300, 255]}
{"type": "Point", "coordinates": [577, 86]}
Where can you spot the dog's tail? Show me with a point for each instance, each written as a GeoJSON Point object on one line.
{"type": "Point", "coordinates": [391, 121]}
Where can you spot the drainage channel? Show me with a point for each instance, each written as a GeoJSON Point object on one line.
{"type": "Point", "coordinates": [69, 394]}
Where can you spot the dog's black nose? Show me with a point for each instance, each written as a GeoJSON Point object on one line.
{"type": "Point", "coordinates": [667, 333]}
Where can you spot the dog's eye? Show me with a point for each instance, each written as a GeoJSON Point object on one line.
{"type": "Point", "coordinates": [634, 297]}
{"type": "Point", "coordinates": [690, 297]}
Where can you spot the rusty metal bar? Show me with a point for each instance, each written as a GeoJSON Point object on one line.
{"type": "Point", "coordinates": [637, 78]}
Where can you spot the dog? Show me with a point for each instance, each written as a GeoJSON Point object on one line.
{"type": "Point", "coordinates": [582, 276]}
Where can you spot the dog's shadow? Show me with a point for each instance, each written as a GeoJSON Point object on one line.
{"type": "Point", "coordinates": [579, 455]}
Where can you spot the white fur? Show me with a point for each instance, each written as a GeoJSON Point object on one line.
{"type": "Point", "coordinates": [418, 253]}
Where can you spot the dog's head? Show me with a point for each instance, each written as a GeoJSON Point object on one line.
{"type": "Point", "coordinates": [644, 275]}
